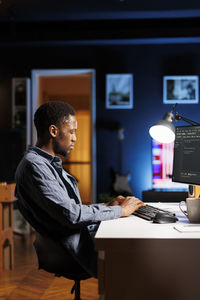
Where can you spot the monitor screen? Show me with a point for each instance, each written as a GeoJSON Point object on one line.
{"type": "Point", "coordinates": [162, 165]}
{"type": "Point", "coordinates": [186, 163]}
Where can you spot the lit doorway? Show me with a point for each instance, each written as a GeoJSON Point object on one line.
{"type": "Point", "coordinates": [76, 87]}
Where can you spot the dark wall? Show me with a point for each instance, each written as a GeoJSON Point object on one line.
{"type": "Point", "coordinates": [148, 64]}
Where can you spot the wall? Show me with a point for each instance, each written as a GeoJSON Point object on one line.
{"type": "Point", "coordinates": [148, 63]}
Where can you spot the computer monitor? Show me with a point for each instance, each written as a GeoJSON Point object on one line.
{"type": "Point", "coordinates": [162, 165]}
{"type": "Point", "coordinates": [186, 162]}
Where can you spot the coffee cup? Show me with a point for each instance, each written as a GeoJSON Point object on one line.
{"type": "Point", "coordinates": [193, 209]}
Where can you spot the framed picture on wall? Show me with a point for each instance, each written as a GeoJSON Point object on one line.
{"type": "Point", "coordinates": [119, 91]}
{"type": "Point", "coordinates": [180, 89]}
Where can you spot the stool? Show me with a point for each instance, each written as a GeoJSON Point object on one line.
{"type": "Point", "coordinates": [55, 259]}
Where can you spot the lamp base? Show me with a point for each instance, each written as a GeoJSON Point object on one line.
{"type": "Point", "coordinates": [193, 191]}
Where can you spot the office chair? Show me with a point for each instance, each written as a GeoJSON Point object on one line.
{"type": "Point", "coordinates": [55, 259]}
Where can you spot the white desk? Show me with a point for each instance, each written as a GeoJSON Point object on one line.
{"type": "Point", "coordinates": [139, 260]}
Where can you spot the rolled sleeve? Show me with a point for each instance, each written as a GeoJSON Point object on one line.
{"type": "Point", "coordinates": [98, 212]}
{"type": "Point", "coordinates": [117, 211]}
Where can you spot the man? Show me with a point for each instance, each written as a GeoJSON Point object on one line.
{"type": "Point", "coordinates": [48, 196]}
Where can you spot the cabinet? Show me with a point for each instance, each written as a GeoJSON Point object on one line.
{"type": "Point", "coordinates": [6, 226]}
{"type": "Point", "coordinates": [146, 261]}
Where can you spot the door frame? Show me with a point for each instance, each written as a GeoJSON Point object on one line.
{"type": "Point", "coordinates": [35, 75]}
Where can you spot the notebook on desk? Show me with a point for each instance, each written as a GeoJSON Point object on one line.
{"type": "Point", "coordinates": [187, 228]}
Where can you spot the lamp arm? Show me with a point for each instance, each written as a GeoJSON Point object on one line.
{"type": "Point", "coordinates": [179, 117]}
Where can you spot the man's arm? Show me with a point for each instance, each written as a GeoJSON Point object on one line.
{"type": "Point", "coordinates": [52, 197]}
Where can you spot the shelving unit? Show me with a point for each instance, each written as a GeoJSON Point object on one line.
{"type": "Point", "coordinates": [21, 115]}
{"type": "Point", "coordinates": [21, 121]}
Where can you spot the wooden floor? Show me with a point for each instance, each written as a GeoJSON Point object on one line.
{"type": "Point", "coordinates": [26, 282]}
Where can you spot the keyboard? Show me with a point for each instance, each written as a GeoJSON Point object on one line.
{"type": "Point", "coordinates": [148, 212]}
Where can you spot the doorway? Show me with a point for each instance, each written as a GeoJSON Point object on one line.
{"type": "Point", "coordinates": [76, 87]}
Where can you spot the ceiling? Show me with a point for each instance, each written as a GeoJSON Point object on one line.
{"type": "Point", "coordinates": [54, 10]}
{"type": "Point", "coordinates": [78, 20]}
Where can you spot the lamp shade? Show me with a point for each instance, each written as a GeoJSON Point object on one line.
{"type": "Point", "coordinates": [163, 131]}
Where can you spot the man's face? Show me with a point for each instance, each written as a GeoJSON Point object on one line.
{"type": "Point", "coordinates": [65, 139]}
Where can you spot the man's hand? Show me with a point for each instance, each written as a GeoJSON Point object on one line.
{"type": "Point", "coordinates": [129, 205]}
{"type": "Point", "coordinates": [116, 201]}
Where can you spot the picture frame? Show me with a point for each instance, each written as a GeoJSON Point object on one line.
{"type": "Point", "coordinates": [181, 89]}
{"type": "Point", "coordinates": [119, 91]}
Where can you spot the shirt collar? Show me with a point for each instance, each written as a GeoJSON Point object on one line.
{"type": "Point", "coordinates": [52, 159]}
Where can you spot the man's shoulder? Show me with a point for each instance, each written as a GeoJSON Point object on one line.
{"type": "Point", "coordinates": [33, 162]}
{"type": "Point", "coordinates": [33, 158]}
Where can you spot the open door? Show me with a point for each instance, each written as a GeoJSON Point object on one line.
{"type": "Point", "coordinates": [76, 87]}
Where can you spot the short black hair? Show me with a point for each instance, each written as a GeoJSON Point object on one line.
{"type": "Point", "coordinates": [51, 113]}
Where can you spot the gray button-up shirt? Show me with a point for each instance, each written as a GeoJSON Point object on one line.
{"type": "Point", "coordinates": [49, 199]}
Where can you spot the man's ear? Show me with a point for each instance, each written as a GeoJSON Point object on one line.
{"type": "Point", "coordinates": [53, 130]}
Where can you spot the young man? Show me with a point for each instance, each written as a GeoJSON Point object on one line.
{"type": "Point", "coordinates": [48, 196]}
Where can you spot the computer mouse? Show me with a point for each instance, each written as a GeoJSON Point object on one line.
{"type": "Point", "coordinates": [163, 218]}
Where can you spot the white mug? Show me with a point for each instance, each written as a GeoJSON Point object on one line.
{"type": "Point", "coordinates": [193, 209]}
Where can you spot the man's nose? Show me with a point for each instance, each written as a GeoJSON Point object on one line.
{"type": "Point", "coordinates": [74, 138]}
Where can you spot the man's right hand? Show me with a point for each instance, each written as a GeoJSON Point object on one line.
{"type": "Point", "coordinates": [130, 204]}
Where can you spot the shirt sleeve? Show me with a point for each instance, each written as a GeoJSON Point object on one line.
{"type": "Point", "coordinates": [54, 198]}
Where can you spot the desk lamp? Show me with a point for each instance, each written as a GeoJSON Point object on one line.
{"type": "Point", "coordinates": [163, 131]}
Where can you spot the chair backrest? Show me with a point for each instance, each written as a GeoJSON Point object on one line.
{"type": "Point", "coordinates": [53, 258]}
